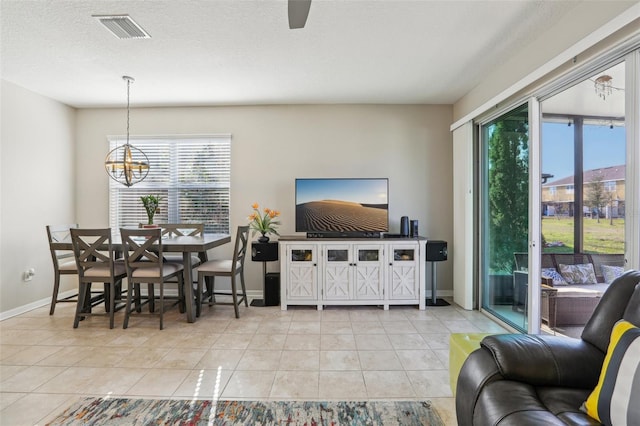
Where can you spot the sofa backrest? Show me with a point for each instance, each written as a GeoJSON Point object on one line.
{"type": "Point", "coordinates": [552, 260]}
{"type": "Point", "coordinates": [522, 261]}
{"type": "Point", "coordinates": [616, 303]}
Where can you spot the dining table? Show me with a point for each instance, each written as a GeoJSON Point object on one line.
{"type": "Point", "coordinates": [186, 244]}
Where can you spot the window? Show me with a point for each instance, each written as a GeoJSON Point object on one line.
{"type": "Point", "coordinates": [569, 189]}
{"type": "Point", "coordinates": [192, 174]}
{"type": "Point", "coordinates": [552, 190]}
{"type": "Point", "coordinates": [594, 148]}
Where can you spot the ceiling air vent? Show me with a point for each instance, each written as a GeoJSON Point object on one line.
{"type": "Point", "coordinates": [122, 26]}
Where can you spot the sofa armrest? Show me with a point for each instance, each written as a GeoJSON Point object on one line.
{"type": "Point", "coordinates": [478, 371]}
{"type": "Point", "coordinates": [543, 360]}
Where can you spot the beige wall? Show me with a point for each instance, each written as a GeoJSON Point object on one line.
{"type": "Point", "coordinates": [48, 177]}
{"type": "Point", "coordinates": [37, 188]}
{"type": "Point", "coordinates": [272, 145]}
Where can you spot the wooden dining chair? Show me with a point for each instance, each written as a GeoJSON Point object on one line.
{"type": "Point", "coordinates": [144, 262]}
{"type": "Point", "coordinates": [224, 268]}
{"type": "Point", "coordinates": [95, 260]}
{"type": "Point", "coordinates": [63, 262]}
{"type": "Point", "coordinates": [182, 230]}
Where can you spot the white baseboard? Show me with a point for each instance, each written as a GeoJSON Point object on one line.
{"type": "Point", "coordinates": [33, 305]}
{"type": "Point", "coordinates": [251, 294]}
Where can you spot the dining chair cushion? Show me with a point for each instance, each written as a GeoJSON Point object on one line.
{"type": "Point", "coordinates": [154, 272]}
{"type": "Point", "coordinates": [68, 266]}
{"type": "Point", "coordinates": [103, 271]}
{"type": "Point", "coordinates": [218, 266]}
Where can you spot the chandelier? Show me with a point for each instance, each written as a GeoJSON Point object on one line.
{"type": "Point", "coordinates": [127, 164]}
{"type": "Point", "coordinates": [603, 86]}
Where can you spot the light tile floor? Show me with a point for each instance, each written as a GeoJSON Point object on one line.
{"type": "Point", "coordinates": [340, 353]}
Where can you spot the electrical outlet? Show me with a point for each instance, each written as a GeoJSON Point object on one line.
{"type": "Point", "coordinates": [28, 274]}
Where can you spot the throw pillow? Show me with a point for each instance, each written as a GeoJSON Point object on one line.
{"type": "Point", "coordinates": [614, 401]}
{"type": "Point", "coordinates": [610, 273]}
{"type": "Point", "coordinates": [553, 275]}
{"type": "Point", "coordinates": [578, 274]}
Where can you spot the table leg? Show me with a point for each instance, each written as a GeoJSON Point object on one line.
{"type": "Point", "coordinates": [188, 286]}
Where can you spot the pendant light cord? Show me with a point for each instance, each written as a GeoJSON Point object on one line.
{"type": "Point", "coordinates": [129, 81]}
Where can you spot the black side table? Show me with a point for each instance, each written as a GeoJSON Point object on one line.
{"type": "Point", "coordinates": [265, 252]}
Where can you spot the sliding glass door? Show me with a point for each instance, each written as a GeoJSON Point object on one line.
{"type": "Point", "coordinates": [504, 216]}
{"type": "Point", "coordinates": [558, 175]}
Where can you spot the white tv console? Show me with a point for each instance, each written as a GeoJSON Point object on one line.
{"type": "Point", "coordinates": [353, 271]}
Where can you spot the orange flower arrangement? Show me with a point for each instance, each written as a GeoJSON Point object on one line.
{"type": "Point", "coordinates": [264, 223]}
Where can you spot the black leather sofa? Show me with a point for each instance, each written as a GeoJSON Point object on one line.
{"type": "Point", "coordinates": [521, 379]}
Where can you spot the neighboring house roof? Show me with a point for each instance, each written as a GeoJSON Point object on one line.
{"type": "Point", "coordinates": [605, 174]}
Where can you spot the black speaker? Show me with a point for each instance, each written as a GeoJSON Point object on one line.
{"type": "Point", "coordinates": [264, 252]}
{"type": "Point", "coordinates": [272, 289]}
{"type": "Point", "coordinates": [413, 229]}
{"type": "Point", "coordinates": [436, 250]}
{"type": "Point", "coordinates": [404, 226]}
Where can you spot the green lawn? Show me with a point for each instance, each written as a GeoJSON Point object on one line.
{"type": "Point", "coordinates": [600, 237]}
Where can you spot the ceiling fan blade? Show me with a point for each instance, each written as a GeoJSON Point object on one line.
{"type": "Point", "coordinates": [298, 12]}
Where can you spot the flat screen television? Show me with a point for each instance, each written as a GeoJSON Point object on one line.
{"type": "Point", "coordinates": [342, 207]}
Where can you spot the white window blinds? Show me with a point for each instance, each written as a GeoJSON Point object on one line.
{"type": "Point", "coordinates": [192, 175]}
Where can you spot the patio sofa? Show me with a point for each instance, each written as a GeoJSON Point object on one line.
{"type": "Point", "coordinates": [563, 302]}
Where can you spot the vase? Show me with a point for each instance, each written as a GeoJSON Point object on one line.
{"type": "Point", "coordinates": [263, 239]}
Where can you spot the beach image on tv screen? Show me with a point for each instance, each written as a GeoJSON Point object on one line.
{"type": "Point", "coordinates": [341, 205]}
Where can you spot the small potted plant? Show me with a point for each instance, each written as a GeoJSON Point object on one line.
{"type": "Point", "coordinates": [151, 204]}
{"type": "Point", "coordinates": [264, 223]}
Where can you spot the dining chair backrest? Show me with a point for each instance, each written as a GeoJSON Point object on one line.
{"type": "Point", "coordinates": [60, 234]}
{"type": "Point", "coordinates": [93, 248]}
{"type": "Point", "coordinates": [182, 229]}
{"type": "Point", "coordinates": [63, 262]}
{"type": "Point", "coordinates": [142, 247]}
{"type": "Point", "coordinates": [240, 250]}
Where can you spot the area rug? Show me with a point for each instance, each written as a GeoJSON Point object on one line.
{"type": "Point", "coordinates": [118, 411]}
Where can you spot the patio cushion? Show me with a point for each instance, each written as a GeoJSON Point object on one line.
{"type": "Point", "coordinates": [582, 273]}
{"type": "Point", "coordinates": [610, 273]}
{"type": "Point", "coordinates": [554, 275]}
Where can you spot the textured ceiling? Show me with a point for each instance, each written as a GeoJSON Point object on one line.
{"type": "Point", "coordinates": [209, 52]}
